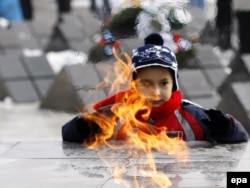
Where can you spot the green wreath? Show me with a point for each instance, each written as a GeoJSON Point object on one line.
{"type": "Point", "coordinates": [173, 21]}
{"type": "Point", "coordinates": [123, 23]}
{"type": "Point", "coordinates": [183, 58]}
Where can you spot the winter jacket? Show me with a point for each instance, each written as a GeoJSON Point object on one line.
{"type": "Point", "coordinates": [179, 117]}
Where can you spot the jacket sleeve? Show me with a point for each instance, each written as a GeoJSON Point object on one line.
{"type": "Point", "coordinates": [235, 133]}
{"type": "Point", "coordinates": [80, 129]}
{"type": "Point", "coordinates": [72, 131]}
{"type": "Point", "coordinates": [224, 128]}
{"type": "Point", "coordinates": [218, 127]}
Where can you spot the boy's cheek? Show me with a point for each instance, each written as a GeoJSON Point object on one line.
{"type": "Point", "coordinates": [147, 91]}
{"type": "Point", "coordinates": [149, 95]}
{"type": "Point", "coordinates": [143, 91]}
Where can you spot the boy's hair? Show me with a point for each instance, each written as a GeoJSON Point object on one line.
{"type": "Point", "coordinates": [154, 53]}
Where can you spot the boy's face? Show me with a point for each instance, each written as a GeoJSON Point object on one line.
{"type": "Point", "coordinates": [155, 83]}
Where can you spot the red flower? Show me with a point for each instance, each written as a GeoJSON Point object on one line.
{"type": "Point", "coordinates": [177, 37]}
{"type": "Point", "coordinates": [117, 44]}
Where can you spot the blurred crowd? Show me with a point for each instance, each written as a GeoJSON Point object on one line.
{"type": "Point", "coordinates": [19, 10]}
{"type": "Point", "coordinates": [226, 12]}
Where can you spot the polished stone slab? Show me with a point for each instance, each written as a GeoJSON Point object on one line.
{"type": "Point", "coordinates": [240, 72]}
{"type": "Point", "coordinates": [194, 84]}
{"type": "Point", "coordinates": [208, 102]}
{"type": "Point", "coordinates": [22, 91]}
{"type": "Point", "coordinates": [25, 36]}
{"type": "Point", "coordinates": [23, 78]}
{"type": "Point", "coordinates": [37, 67]}
{"type": "Point", "coordinates": [9, 39]}
{"type": "Point", "coordinates": [207, 57]}
{"type": "Point", "coordinates": [11, 68]}
{"type": "Point", "coordinates": [236, 101]}
{"type": "Point", "coordinates": [73, 88]}
{"type": "Point", "coordinates": [215, 76]}
{"type": "Point", "coordinates": [62, 164]}
{"type": "Point", "coordinates": [83, 45]}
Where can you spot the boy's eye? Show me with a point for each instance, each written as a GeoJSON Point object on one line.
{"type": "Point", "coordinates": [164, 83]}
{"type": "Point", "coordinates": [146, 84]}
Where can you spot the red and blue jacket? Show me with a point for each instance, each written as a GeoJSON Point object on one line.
{"type": "Point", "coordinates": [179, 118]}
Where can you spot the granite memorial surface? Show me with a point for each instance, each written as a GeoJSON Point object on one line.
{"type": "Point", "coordinates": [62, 164]}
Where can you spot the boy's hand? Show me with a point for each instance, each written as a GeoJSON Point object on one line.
{"type": "Point", "coordinates": [88, 128]}
{"type": "Point", "coordinates": [219, 123]}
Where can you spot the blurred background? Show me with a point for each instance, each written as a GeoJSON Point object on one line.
{"type": "Point", "coordinates": [54, 56]}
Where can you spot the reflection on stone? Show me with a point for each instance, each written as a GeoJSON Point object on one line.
{"type": "Point", "coordinates": [64, 164]}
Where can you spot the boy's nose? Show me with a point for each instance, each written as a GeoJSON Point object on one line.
{"type": "Point", "coordinates": [157, 91]}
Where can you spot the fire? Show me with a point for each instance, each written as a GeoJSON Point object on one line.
{"type": "Point", "coordinates": [129, 122]}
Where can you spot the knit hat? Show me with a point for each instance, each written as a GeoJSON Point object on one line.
{"type": "Point", "coordinates": [153, 53]}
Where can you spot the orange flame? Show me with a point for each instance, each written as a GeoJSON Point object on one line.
{"type": "Point", "coordinates": [124, 124]}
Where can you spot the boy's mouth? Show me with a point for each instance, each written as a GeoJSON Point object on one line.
{"type": "Point", "coordinates": [157, 102]}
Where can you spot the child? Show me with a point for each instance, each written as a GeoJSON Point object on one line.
{"type": "Point", "coordinates": [155, 76]}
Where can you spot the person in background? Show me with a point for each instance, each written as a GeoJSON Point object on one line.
{"type": "Point", "coordinates": [27, 9]}
{"type": "Point", "coordinates": [106, 10]}
{"type": "Point", "coordinates": [241, 10]}
{"type": "Point", "coordinates": [155, 74]}
{"type": "Point", "coordinates": [63, 6]}
{"type": "Point", "coordinates": [224, 23]}
{"type": "Point", "coordinates": [106, 4]}
{"type": "Point", "coordinates": [11, 10]}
